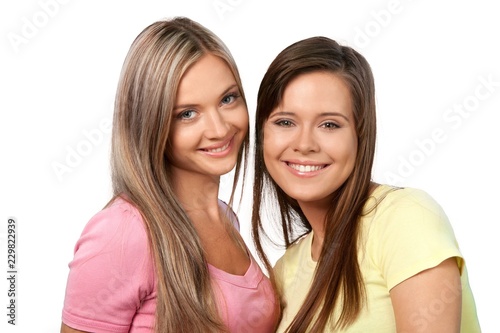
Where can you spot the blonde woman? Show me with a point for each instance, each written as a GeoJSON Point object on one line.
{"type": "Point", "coordinates": [165, 254]}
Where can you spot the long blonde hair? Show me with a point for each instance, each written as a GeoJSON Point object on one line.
{"type": "Point", "coordinates": [147, 89]}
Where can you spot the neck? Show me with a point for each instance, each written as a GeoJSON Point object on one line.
{"type": "Point", "coordinates": [316, 214]}
{"type": "Point", "coordinates": [196, 192]}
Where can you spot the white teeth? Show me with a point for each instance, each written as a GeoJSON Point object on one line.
{"type": "Point", "coordinates": [218, 150]}
{"type": "Point", "coordinates": [305, 168]}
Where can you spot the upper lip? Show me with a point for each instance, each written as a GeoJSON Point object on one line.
{"type": "Point", "coordinates": [311, 163]}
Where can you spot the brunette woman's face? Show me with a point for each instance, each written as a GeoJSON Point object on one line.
{"type": "Point", "coordinates": [210, 120]}
{"type": "Point", "coordinates": [310, 141]}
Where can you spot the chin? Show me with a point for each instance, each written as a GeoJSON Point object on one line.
{"type": "Point", "coordinates": [307, 196]}
{"type": "Point", "coordinates": [223, 171]}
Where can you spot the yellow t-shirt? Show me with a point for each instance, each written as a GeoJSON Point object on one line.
{"type": "Point", "coordinates": [406, 233]}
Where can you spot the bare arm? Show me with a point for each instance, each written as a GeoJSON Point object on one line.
{"type": "Point", "coordinates": [430, 301]}
{"type": "Point", "coordinates": [66, 329]}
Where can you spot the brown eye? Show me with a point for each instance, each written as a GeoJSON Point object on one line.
{"type": "Point", "coordinates": [330, 125]}
{"type": "Point", "coordinates": [284, 123]}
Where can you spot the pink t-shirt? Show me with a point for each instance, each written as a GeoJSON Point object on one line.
{"type": "Point", "coordinates": [112, 282]}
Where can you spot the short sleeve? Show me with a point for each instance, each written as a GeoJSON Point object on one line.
{"type": "Point", "coordinates": [111, 272]}
{"type": "Point", "coordinates": [411, 234]}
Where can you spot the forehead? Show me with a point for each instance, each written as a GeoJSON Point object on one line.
{"type": "Point", "coordinates": [209, 75]}
{"type": "Point", "coordinates": [319, 91]}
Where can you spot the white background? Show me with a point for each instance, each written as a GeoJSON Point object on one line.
{"type": "Point", "coordinates": [60, 62]}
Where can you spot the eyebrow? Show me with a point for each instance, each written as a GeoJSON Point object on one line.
{"type": "Point", "coordinates": [323, 114]}
{"type": "Point", "coordinates": [187, 106]}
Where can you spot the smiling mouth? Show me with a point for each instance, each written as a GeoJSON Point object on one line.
{"type": "Point", "coordinates": [306, 168]}
{"type": "Point", "coordinates": [218, 150]}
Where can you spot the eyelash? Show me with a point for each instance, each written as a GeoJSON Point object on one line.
{"type": "Point", "coordinates": [233, 95]}
{"type": "Point", "coordinates": [329, 125]}
{"type": "Point", "coordinates": [281, 123]}
{"type": "Point", "coordinates": [183, 113]}
{"type": "Point", "coordinates": [333, 125]}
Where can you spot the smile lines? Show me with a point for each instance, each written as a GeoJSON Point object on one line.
{"type": "Point", "coordinates": [306, 168]}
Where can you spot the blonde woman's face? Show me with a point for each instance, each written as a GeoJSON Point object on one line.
{"type": "Point", "coordinates": [210, 120]}
{"type": "Point", "coordinates": [310, 141]}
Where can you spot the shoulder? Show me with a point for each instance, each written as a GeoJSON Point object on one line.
{"type": "Point", "coordinates": [119, 227]}
{"type": "Point", "coordinates": [111, 262]}
{"type": "Point", "coordinates": [118, 212]}
{"type": "Point", "coordinates": [295, 268]}
{"type": "Point", "coordinates": [114, 243]}
{"type": "Point", "coordinates": [300, 245]}
{"type": "Point", "coordinates": [405, 203]}
{"type": "Point", "coordinates": [295, 253]}
{"type": "Point", "coordinates": [407, 232]}
{"type": "Point", "coordinates": [407, 210]}
{"type": "Point", "coordinates": [403, 195]}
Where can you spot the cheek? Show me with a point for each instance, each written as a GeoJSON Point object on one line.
{"type": "Point", "coordinates": [176, 138]}
{"type": "Point", "coordinates": [265, 153]}
{"type": "Point", "coordinates": [181, 140]}
{"type": "Point", "coordinates": [276, 140]}
{"type": "Point", "coordinates": [272, 150]}
{"type": "Point", "coordinates": [343, 149]}
{"type": "Point", "coordinates": [266, 148]}
{"type": "Point", "coordinates": [271, 161]}
{"type": "Point", "coordinates": [241, 118]}
{"type": "Point", "coordinates": [351, 152]}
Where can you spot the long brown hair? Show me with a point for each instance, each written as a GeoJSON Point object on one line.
{"type": "Point", "coordinates": [338, 280]}
{"type": "Point", "coordinates": [150, 77]}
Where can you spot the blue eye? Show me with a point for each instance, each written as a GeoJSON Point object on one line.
{"type": "Point", "coordinates": [188, 114]}
{"type": "Point", "coordinates": [229, 98]}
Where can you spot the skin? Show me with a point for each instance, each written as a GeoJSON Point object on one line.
{"type": "Point", "coordinates": [210, 121]}
{"type": "Point", "coordinates": [430, 301]}
{"type": "Point", "coordinates": [66, 329]}
{"type": "Point", "coordinates": [314, 126]}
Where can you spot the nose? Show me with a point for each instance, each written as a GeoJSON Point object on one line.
{"type": "Point", "coordinates": [305, 141]}
{"type": "Point", "coordinates": [217, 126]}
